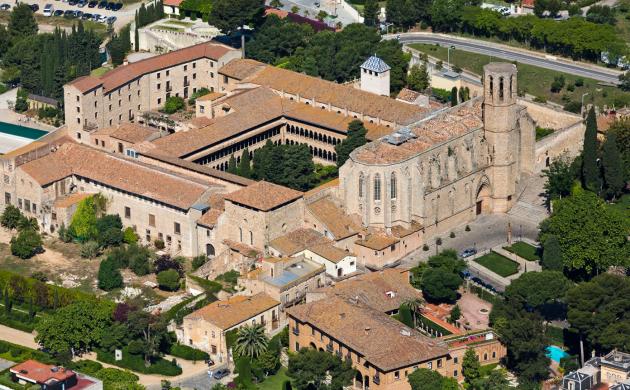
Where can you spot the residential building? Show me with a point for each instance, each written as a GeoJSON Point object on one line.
{"type": "Point", "coordinates": [32, 372]}
{"type": "Point", "coordinates": [338, 262]}
{"type": "Point", "coordinates": [612, 370]}
{"type": "Point", "coordinates": [206, 328]}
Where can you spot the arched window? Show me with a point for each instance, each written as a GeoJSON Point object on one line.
{"type": "Point", "coordinates": [491, 86]}
{"type": "Point", "coordinates": [501, 88]}
{"type": "Point", "coordinates": [392, 186]}
{"type": "Point", "coordinates": [377, 187]}
{"type": "Point", "coordinates": [361, 184]}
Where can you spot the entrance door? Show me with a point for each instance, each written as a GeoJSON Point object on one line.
{"type": "Point", "coordinates": [479, 206]}
{"type": "Point", "coordinates": [340, 272]}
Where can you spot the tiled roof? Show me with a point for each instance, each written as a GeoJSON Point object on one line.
{"type": "Point", "coordinates": [43, 99]}
{"type": "Point", "coordinates": [429, 132]}
{"type": "Point", "coordinates": [375, 64]}
{"type": "Point", "coordinates": [408, 95]}
{"type": "Point", "coordinates": [381, 340]}
{"type": "Point", "coordinates": [297, 240]}
{"type": "Point", "coordinates": [401, 232]}
{"type": "Point", "coordinates": [173, 3]}
{"type": "Point", "coordinates": [263, 196]}
{"type": "Point", "coordinates": [70, 200]}
{"type": "Point", "coordinates": [117, 172]}
{"type": "Point", "coordinates": [243, 249]}
{"type": "Point", "coordinates": [128, 132]}
{"type": "Point", "coordinates": [211, 96]}
{"type": "Point", "coordinates": [241, 68]}
{"type": "Point", "coordinates": [40, 372]}
{"type": "Point", "coordinates": [377, 241]}
{"type": "Point", "coordinates": [234, 311]}
{"type": "Point", "coordinates": [329, 252]}
{"type": "Point", "coordinates": [383, 290]}
{"type": "Point", "coordinates": [338, 223]}
{"type": "Point", "coordinates": [217, 206]}
{"type": "Point", "coordinates": [126, 73]}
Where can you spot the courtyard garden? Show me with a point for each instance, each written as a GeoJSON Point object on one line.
{"type": "Point", "coordinates": [524, 250]}
{"type": "Point", "coordinates": [498, 264]}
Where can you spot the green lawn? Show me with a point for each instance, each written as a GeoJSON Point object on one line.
{"type": "Point", "coordinates": [498, 264]}
{"type": "Point", "coordinates": [622, 206]}
{"type": "Point", "coordinates": [524, 250]}
{"type": "Point", "coordinates": [99, 71]}
{"type": "Point", "coordinates": [275, 382]}
{"type": "Point", "coordinates": [534, 80]}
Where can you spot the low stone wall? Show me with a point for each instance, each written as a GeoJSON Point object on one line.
{"type": "Point", "coordinates": [564, 142]}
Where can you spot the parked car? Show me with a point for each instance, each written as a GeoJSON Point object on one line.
{"type": "Point", "coordinates": [81, 3]}
{"type": "Point", "coordinates": [34, 7]}
{"type": "Point", "coordinates": [221, 373]}
{"type": "Point", "coordinates": [103, 19]}
{"type": "Point", "coordinates": [102, 4]}
{"type": "Point", "coordinates": [58, 12]}
{"type": "Point", "coordinates": [68, 14]}
{"type": "Point", "coordinates": [92, 4]}
{"type": "Point", "coordinates": [5, 7]}
{"type": "Point", "coordinates": [109, 6]}
{"type": "Point", "coordinates": [96, 17]}
{"type": "Point", "coordinates": [78, 14]}
{"type": "Point", "coordinates": [117, 6]}
{"type": "Point", "coordinates": [87, 16]}
{"type": "Point", "coordinates": [48, 10]}
{"type": "Point", "coordinates": [72, 2]}
{"type": "Point", "coordinates": [111, 20]}
{"type": "Point", "coordinates": [210, 362]}
{"type": "Point", "coordinates": [468, 252]}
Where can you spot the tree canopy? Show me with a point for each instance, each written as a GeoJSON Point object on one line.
{"type": "Point", "coordinates": [310, 367]}
{"type": "Point", "coordinates": [288, 165]}
{"type": "Point", "coordinates": [354, 139]}
{"type": "Point", "coordinates": [229, 15]}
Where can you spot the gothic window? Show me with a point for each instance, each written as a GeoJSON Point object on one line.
{"type": "Point", "coordinates": [491, 89]}
{"type": "Point", "coordinates": [392, 186]}
{"type": "Point", "coordinates": [377, 187]}
{"type": "Point", "coordinates": [501, 88]}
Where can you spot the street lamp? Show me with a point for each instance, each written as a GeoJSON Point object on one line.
{"type": "Point", "coordinates": [582, 105]}
{"type": "Point", "coordinates": [448, 55]}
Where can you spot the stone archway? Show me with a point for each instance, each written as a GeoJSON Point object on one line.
{"type": "Point", "coordinates": [484, 197]}
{"type": "Point", "coordinates": [210, 250]}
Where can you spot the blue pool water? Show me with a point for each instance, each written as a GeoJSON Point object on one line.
{"type": "Point", "coordinates": [555, 353]}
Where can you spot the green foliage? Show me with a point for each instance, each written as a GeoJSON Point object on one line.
{"type": "Point", "coordinates": [78, 327]}
{"type": "Point", "coordinates": [22, 22]}
{"type": "Point", "coordinates": [109, 276]}
{"type": "Point", "coordinates": [405, 316]}
{"type": "Point", "coordinates": [10, 217]}
{"type": "Point", "coordinates": [592, 237]}
{"type": "Point", "coordinates": [168, 280]}
{"type": "Point", "coordinates": [441, 280]}
{"type": "Point", "coordinates": [251, 341]}
{"type": "Point", "coordinates": [244, 168]}
{"type": "Point", "coordinates": [496, 380]}
{"type": "Point", "coordinates": [601, 14]}
{"type": "Point", "coordinates": [598, 311]}
{"type": "Point", "coordinates": [557, 84]}
{"type": "Point", "coordinates": [471, 366]}
{"type": "Point", "coordinates": [590, 170]}
{"type": "Point", "coordinates": [613, 167]}
{"type": "Point", "coordinates": [621, 131]}
{"type": "Point", "coordinates": [137, 363]}
{"type": "Point", "coordinates": [90, 249]}
{"type": "Point", "coordinates": [197, 94]}
{"type": "Point", "coordinates": [560, 177]}
{"type": "Point", "coordinates": [83, 224]}
{"type": "Point", "coordinates": [188, 353]}
{"type": "Point", "coordinates": [426, 379]}
{"type": "Point", "coordinates": [150, 14]}
{"type": "Point", "coordinates": [552, 254]}
{"type": "Point", "coordinates": [288, 165]}
{"type": "Point", "coordinates": [27, 244]}
{"type": "Point", "coordinates": [371, 10]}
{"type": "Point", "coordinates": [524, 250]}
{"type": "Point", "coordinates": [453, 98]}
{"type": "Point", "coordinates": [309, 367]}
{"type": "Point", "coordinates": [119, 45]}
{"type": "Point", "coordinates": [542, 132]}
{"type": "Point", "coordinates": [540, 291]}
{"type": "Point", "coordinates": [173, 104]}
{"type": "Point", "coordinates": [232, 168]}
{"type": "Point", "coordinates": [456, 313]}
{"type": "Point", "coordinates": [354, 139]}
{"type": "Point", "coordinates": [229, 15]}
{"type": "Point", "coordinates": [130, 236]}
{"type": "Point", "coordinates": [198, 262]}
{"type": "Point", "coordinates": [245, 376]}
{"type": "Point", "coordinates": [442, 95]}
{"type": "Point", "coordinates": [498, 264]}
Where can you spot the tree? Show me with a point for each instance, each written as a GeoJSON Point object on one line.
{"type": "Point", "coordinates": [310, 368]}
{"type": "Point", "coordinates": [496, 380]}
{"type": "Point", "coordinates": [624, 81]}
{"type": "Point", "coordinates": [425, 379]}
{"type": "Point", "coordinates": [536, 289]}
{"type": "Point", "coordinates": [232, 168]}
{"type": "Point", "coordinates": [471, 366]}
{"type": "Point", "coordinates": [621, 129]}
{"type": "Point", "coordinates": [613, 168]}
{"type": "Point", "coordinates": [229, 15]}
{"type": "Point", "coordinates": [590, 170]}
{"type": "Point", "coordinates": [453, 96]}
{"type": "Point", "coordinates": [27, 244]}
{"type": "Point", "coordinates": [109, 276]}
{"type": "Point", "coordinates": [599, 311]}
{"type": "Point", "coordinates": [244, 168]}
{"type": "Point", "coordinates": [592, 237]}
{"type": "Point", "coordinates": [560, 178]}
{"type": "Point", "coordinates": [173, 104]}
{"type": "Point", "coordinates": [354, 138]}
{"type": "Point", "coordinates": [75, 328]}
{"type": "Point", "coordinates": [370, 12]}
{"type": "Point", "coordinates": [552, 254]}
{"type": "Point", "coordinates": [251, 341]}
{"type": "Point", "coordinates": [414, 305]}
{"type": "Point", "coordinates": [83, 224]}
{"type": "Point", "coordinates": [129, 236]}
{"type": "Point", "coordinates": [456, 313]}
{"type": "Point", "coordinates": [151, 329]}
{"type": "Point", "coordinates": [10, 218]}
{"type": "Point", "coordinates": [321, 15]}
{"type": "Point", "coordinates": [22, 22]}
{"type": "Point", "coordinates": [440, 285]}
{"type": "Point", "coordinates": [168, 280]}
{"type": "Point", "coordinates": [418, 78]}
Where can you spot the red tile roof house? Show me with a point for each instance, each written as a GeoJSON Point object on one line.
{"type": "Point", "coordinates": [52, 377]}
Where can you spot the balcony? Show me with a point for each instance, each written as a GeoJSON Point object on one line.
{"type": "Point", "coordinates": [169, 88]}
{"type": "Point", "coordinates": [186, 83]}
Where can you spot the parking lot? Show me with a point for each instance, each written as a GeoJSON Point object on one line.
{"type": "Point", "coordinates": [99, 11]}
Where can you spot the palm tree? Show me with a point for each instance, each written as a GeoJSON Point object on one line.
{"type": "Point", "coordinates": [414, 305]}
{"type": "Point", "coordinates": [251, 341]}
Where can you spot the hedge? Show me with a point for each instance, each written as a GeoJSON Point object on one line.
{"type": "Point", "coordinates": [18, 353]}
{"type": "Point", "coordinates": [136, 363]}
{"type": "Point", "coordinates": [188, 353]}
{"type": "Point", "coordinates": [19, 321]}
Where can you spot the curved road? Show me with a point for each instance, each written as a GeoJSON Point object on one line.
{"type": "Point", "coordinates": [513, 54]}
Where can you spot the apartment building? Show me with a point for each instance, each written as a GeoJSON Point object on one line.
{"type": "Point", "coordinates": [129, 90]}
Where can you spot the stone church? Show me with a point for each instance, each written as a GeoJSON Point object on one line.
{"type": "Point", "coordinates": [444, 170]}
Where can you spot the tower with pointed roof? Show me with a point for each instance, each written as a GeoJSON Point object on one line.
{"type": "Point", "coordinates": [375, 76]}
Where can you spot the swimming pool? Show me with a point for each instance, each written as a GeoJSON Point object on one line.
{"type": "Point", "coordinates": [21, 131]}
{"type": "Point", "coordinates": [555, 353]}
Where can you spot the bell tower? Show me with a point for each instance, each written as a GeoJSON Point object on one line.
{"type": "Point", "coordinates": [500, 114]}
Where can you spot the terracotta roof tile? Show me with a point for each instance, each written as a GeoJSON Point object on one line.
{"type": "Point", "coordinates": [128, 132]}
{"type": "Point", "coordinates": [340, 224]}
{"type": "Point", "coordinates": [40, 372]}
{"type": "Point", "coordinates": [70, 200]}
{"type": "Point", "coordinates": [241, 68]}
{"type": "Point", "coordinates": [297, 240]}
{"type": "Point", "coordinates": [210, 97]}
{"type": "Point", "coordinates": [217, 206]}
{"type": "Point", "coordinates": [234, 311]}
{"type": "Point", "coordinates": [329, 252]}
{"type": "Point", "coordinates": [117, 172]}
{"type": "Point", "coordinates": [243, 249]}
{"type": "Point", "coordinates": [126, 73]}
{"type": "Point", "coordinates": [382, 341]}
{"type": "Point", "coordinates": [263, 196]}
{"type": "Point", "coordinates": [377, 241]}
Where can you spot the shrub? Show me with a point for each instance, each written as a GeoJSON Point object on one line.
{"type": "Point", "coordinates": [159, 244]}
{"type": "Point", "coordinates": [173, 104]}
{"type": "Point", "coordinates": [64, 233]}
{"type": "Point", "coordinates": [136, 363]}
{"type": "Point", "coordinates": [188, 353]}
{"type": "Point", "coordinates": [198, 262]}
{"type": "Point", "coordinates": [109, 276]}
{"type": "Point", "coordinates": [90, 249]}
{"type": "Point", "coordinates": [579, 82]}
{"type": "Point", "coordinates": [452, 235]}
{"type": "Point", "coordinates": [166, 262]}
{"type": "Point", "coordinates": [10, 217]}
{"type": "Point", "coordinates": [574, 107]}
{"type": "Point", "coordinates": [138, 258]}
{"type": "Point", "coordinates": [197, 94]}
{"type": "Point", "coordinates": [168, 280]}
{"type": "Point", "coordinates": [83, 224]}
{"type": "Point", "coordinates": [425, 247]}
{"type": "Point", "coordinates": [129, 236]}
{"type": "Point", "coordinates": [467, 228]}
{"type": "Point", "coordinates": [27, 244]}
{"type": "Point", "coordinates": [135, 347]}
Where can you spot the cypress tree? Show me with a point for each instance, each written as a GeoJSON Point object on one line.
{"type": "Point", "coordinates": [232, 165]}
{"type": "Point", "coordinates": [370, 13]}
{"type": "Point", "coordinates": [7, 301]}
{"type": "Point", "coordinates": [590, 170]}
{"type": "Point", "coordinates": [552, 254]}
{"type": "Point", "coordinates": [354, 139]}
{"type": "Point", "coordinates": [454, 96]}
{"type": "Point", "coordinates": [244, 168]}
{"type": "Point", "coordinates": [613, 166]}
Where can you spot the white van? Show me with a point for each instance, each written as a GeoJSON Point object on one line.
{"type": "Point", "coordinates": [49, 10]}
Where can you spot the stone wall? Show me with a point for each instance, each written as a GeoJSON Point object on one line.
{"type": "Point", "coordinates": [564, 142]}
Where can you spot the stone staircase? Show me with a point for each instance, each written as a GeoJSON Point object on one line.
{"type": "Point", "coordinates": [530, 205]}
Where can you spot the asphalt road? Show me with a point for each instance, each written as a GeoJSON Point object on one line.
{"type": "Point", "coordinates": [506, 53]}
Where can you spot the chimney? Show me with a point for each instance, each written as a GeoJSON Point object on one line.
{"type": "Point", "coordinates": [366, 330]}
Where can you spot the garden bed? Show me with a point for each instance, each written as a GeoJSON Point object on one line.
{"type": "Point", "coordinates": [524, 250]}
{"type": "Point", "coordinates": [498, 264]}
{"type": "Point", "coordinates": [136, 363]}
